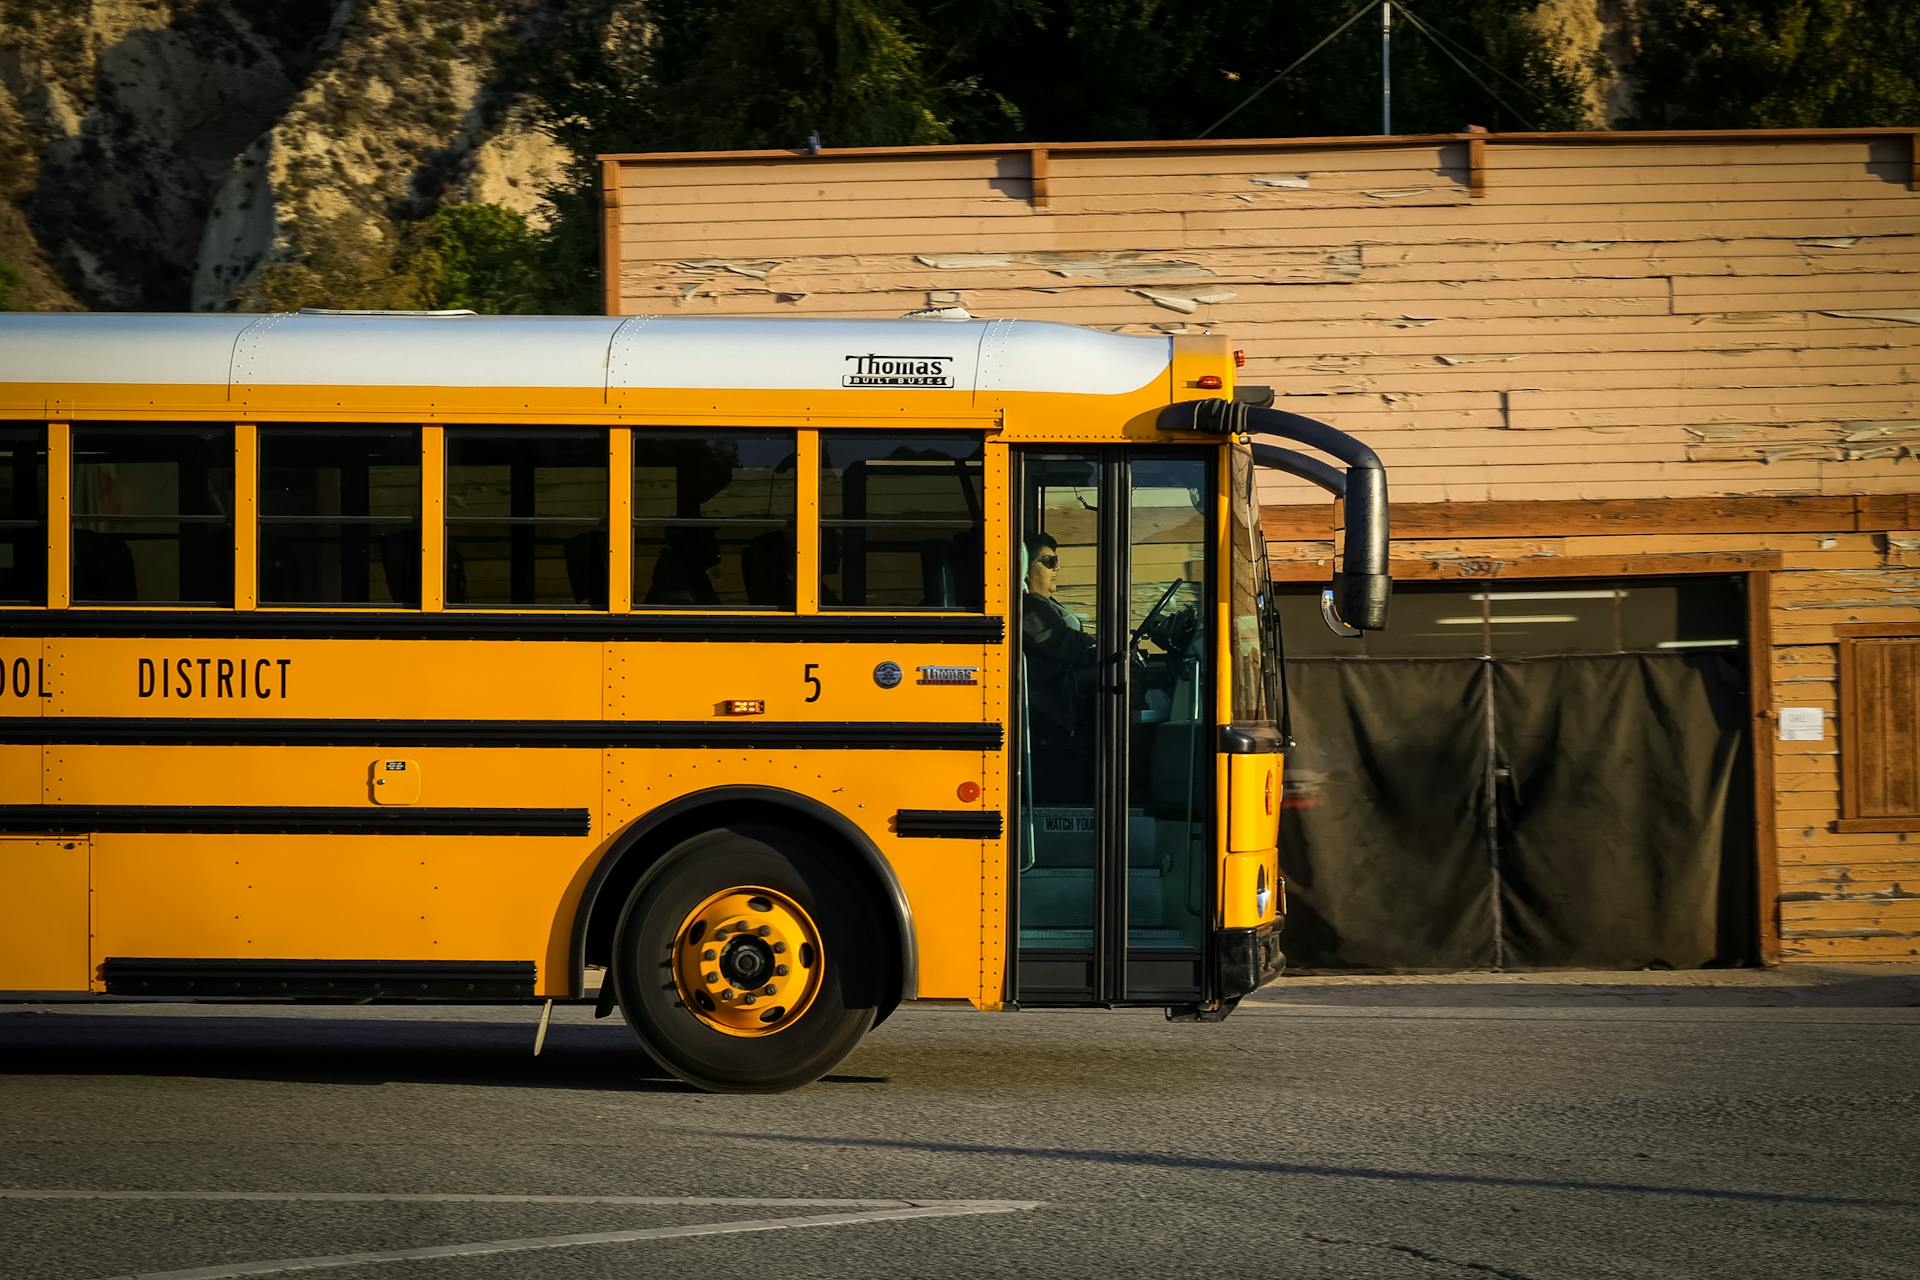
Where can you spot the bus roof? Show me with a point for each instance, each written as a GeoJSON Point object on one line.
{"type": "Point", "coordinates": [440, 349]}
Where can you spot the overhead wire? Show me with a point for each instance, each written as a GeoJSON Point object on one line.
{"type": "Point", "coordinates": [1433, 29]}
{"type": "Point", "coordinates": [1367, 7]}
{"type": "Point", "coordinates": [1441, 45]}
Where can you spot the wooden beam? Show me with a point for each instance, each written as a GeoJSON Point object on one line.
{"type": "Point", "coordinates": [610, 237]}
{"type": "Point", "coordinates": [1562, 518]}
{"type": "Point", "coordinates": [1480, 568]}
{"type": "Point", "coordinates": [1037, 171]}
{"type": "Point", "coordinates": [1766, 854]}
{"type": "Point", "coordinates": [1913, 161]}
{"type": "Point", "coordinates": [1476, 160]}
{"type": "Point", "coordinates": [1601, 138]}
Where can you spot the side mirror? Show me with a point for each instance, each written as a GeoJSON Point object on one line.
{"type": "Point", "coordinates": [1360, 600]}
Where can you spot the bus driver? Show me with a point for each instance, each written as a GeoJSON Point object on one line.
{"type": "Point", "coordinates": [1061, 659]}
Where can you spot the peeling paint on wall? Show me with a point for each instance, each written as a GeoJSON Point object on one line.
{"type": "Point", "coordinates": [1583, 246]}
{"type": "Point", "coordinates": [1187, 301]}
{"type": "Point", "coordinates": [1457, 360]}
{"type": "Point", "coordinates": [1126, 266]}
{"type": "Point", "coordinates": [756, 269]}
{"type": "Point", "coordinates": [1881, 430]}
{"type": "Point", "coordinates": [1297, 182]}
{"type": "Point", "coordinates": [1828, 242]}
{"type": "Point", "coordinates": [1899, 315]}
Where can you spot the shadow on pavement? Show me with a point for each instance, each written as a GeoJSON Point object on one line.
{"type": "Point", "coordinates": [1170, 1161]}
{"type": "Point", "coordinates": [46, 1042]}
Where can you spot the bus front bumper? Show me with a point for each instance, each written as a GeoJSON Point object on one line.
{"type": "Point", "coordinates": [1247, 959]}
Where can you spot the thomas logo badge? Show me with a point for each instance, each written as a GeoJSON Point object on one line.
{"type": "Point", "coordinates": [887, 675]}
{"type": "Point", "coordinates": [935, 372]}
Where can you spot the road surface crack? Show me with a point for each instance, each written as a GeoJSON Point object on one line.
{"type": "Point", "coordinates": [1424, 1255]}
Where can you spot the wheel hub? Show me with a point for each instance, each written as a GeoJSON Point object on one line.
{"type": "Point", "coordinates": [747, 961]}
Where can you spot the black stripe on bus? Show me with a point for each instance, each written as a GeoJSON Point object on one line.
{"type": "Point", "coordinates": [346, 979]}
{"type": "Point", "coordinates": [356, 625]}
{"type": "Point", "coordinates": [136, 731]}
{"type": "Point", "coordinates": [950, 824]}
{"type": "Point", "coordinates": [281, 820]}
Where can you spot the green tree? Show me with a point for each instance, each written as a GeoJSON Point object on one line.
{"type": "Point", "coordinates": [1757, 64]}
{"type": "Point", "coordinates": [9, 281]}
{"type": "Point", "coordinates": [347, 261]}
{"type": "Point", "coordinates": [483, 257]}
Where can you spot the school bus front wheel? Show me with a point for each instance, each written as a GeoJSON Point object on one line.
{"type": "Point", "coordinates": [751, 960]}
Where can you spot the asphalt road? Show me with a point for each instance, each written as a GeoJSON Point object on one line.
{"type": "Point", "coordinates": [1314, 1140]}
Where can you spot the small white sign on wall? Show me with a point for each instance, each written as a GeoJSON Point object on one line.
{"type": "Point", "coordinates": [1803, 724]}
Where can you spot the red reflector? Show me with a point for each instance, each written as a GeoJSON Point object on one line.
{"type": "Point", "coordinates": [1239, 358]}
{"type": "Point", "coordinates": [1209, 382]}
{"type": "Point", "coordinates": [968, 792]}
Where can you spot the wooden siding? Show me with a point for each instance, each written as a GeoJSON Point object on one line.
{"type": "Point", "coordinates": [1613, 318]}
{"type": "Point", "coordinates": [1578, 354]}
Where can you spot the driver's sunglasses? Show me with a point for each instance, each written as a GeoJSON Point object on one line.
{"type": "Point", "coordinates": [1049, 562]}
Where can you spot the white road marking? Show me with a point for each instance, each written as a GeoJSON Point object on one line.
{"type": "Point", "coordinates": [855, 1212]}
{"type": "Point", "coordinates": [463, 1197]}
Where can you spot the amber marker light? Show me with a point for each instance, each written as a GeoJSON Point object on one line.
{"type": "Point", "coordinates": [1209, 382]}
{"type": "Point", "coordinates": [968, 792]}
{"type": "Point", "coordinates": [744, 706]}
{"type": "Point", "coordinates": [1239, 358]}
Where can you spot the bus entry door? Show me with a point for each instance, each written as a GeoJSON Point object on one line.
{"type": "Point", "coordinates": [1113, 726]}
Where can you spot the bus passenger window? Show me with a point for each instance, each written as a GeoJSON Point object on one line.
{"type": "Point", "coordinates": [23, 514]}
{"type": "Point", "coordinates": [153, 515]}
{"type": "Point", "coordinates": [713, 515]}
{"type": "Point", "coordinates": [900, 520]}
{"type": "Point", "coordinates": [526, 517]}
{"type": "Point", "coordinates": [340, 515]}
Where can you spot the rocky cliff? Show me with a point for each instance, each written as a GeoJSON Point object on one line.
{"type": "Point", "coordinates": [158, 154]}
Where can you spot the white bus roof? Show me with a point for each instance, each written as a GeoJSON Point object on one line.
{"type": "Point", "coordinates": [428, 349]}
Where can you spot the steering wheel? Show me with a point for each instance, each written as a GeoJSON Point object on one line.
{"type": "Point", "coordinates": [1153, 614]}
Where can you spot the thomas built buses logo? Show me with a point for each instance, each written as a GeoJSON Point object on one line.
{"type": "Point", "coordinates": [900, 371]}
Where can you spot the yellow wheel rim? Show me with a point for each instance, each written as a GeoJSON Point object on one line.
{"type": "Point", "coordinates": [748, 961]}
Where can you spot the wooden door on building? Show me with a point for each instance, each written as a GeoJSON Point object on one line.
{"type": "Point", "coordinates": [1523, 775]}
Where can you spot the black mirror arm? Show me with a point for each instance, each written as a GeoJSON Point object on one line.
{"type": "Point", "coordinates": [1363, 584]}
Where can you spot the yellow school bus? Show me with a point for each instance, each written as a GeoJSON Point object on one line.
{"type": "Point", "coordinates": [778, 671]}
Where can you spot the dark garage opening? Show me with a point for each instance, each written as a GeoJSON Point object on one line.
{"type": "Point", "coordinates": [1523, 775]}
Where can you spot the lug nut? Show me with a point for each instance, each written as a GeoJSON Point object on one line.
{"type": "Point", "coordinates": [780, 969]}
{"type": "Point", "coordinates": [771, 990]}
{"type": "Point", "coordinates": [708, 954]}
{"type": "Point", "coordinates": [711, 978]}
{"type": "Point", "coordinates": [779, 948]}
{"type": "Point", "coordinates": [727, 994]}
{"type": "Point", "coordinates": [764, 930]}
{"type": "Point", "coordinates": [747, 1000]}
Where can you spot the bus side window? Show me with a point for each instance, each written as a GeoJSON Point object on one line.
{"type": "Point", "coordinates": [713, 519]}
{"type": "Point", "coordinates": [517, 501]}
{"type": "Point", "coordinates": [153, 514]}
{"type": "Point", "coordinates": [339, 515]}
{"type": "Point", "coordinates": [23, 514]}
{"type": "Point", "coordinates": [902, 514]}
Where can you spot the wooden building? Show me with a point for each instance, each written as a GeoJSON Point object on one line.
{"type": "Point", "coordinates": [1595, 364]}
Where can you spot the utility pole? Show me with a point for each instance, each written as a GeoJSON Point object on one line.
{"type": "Point", "coordinates": [1386, 66]}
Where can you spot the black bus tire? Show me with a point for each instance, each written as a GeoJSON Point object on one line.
{"type": "Point", "coordinates": [790, 905]}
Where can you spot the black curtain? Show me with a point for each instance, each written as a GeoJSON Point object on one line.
{"type": "Point", "coordinates": [1590, 812]}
